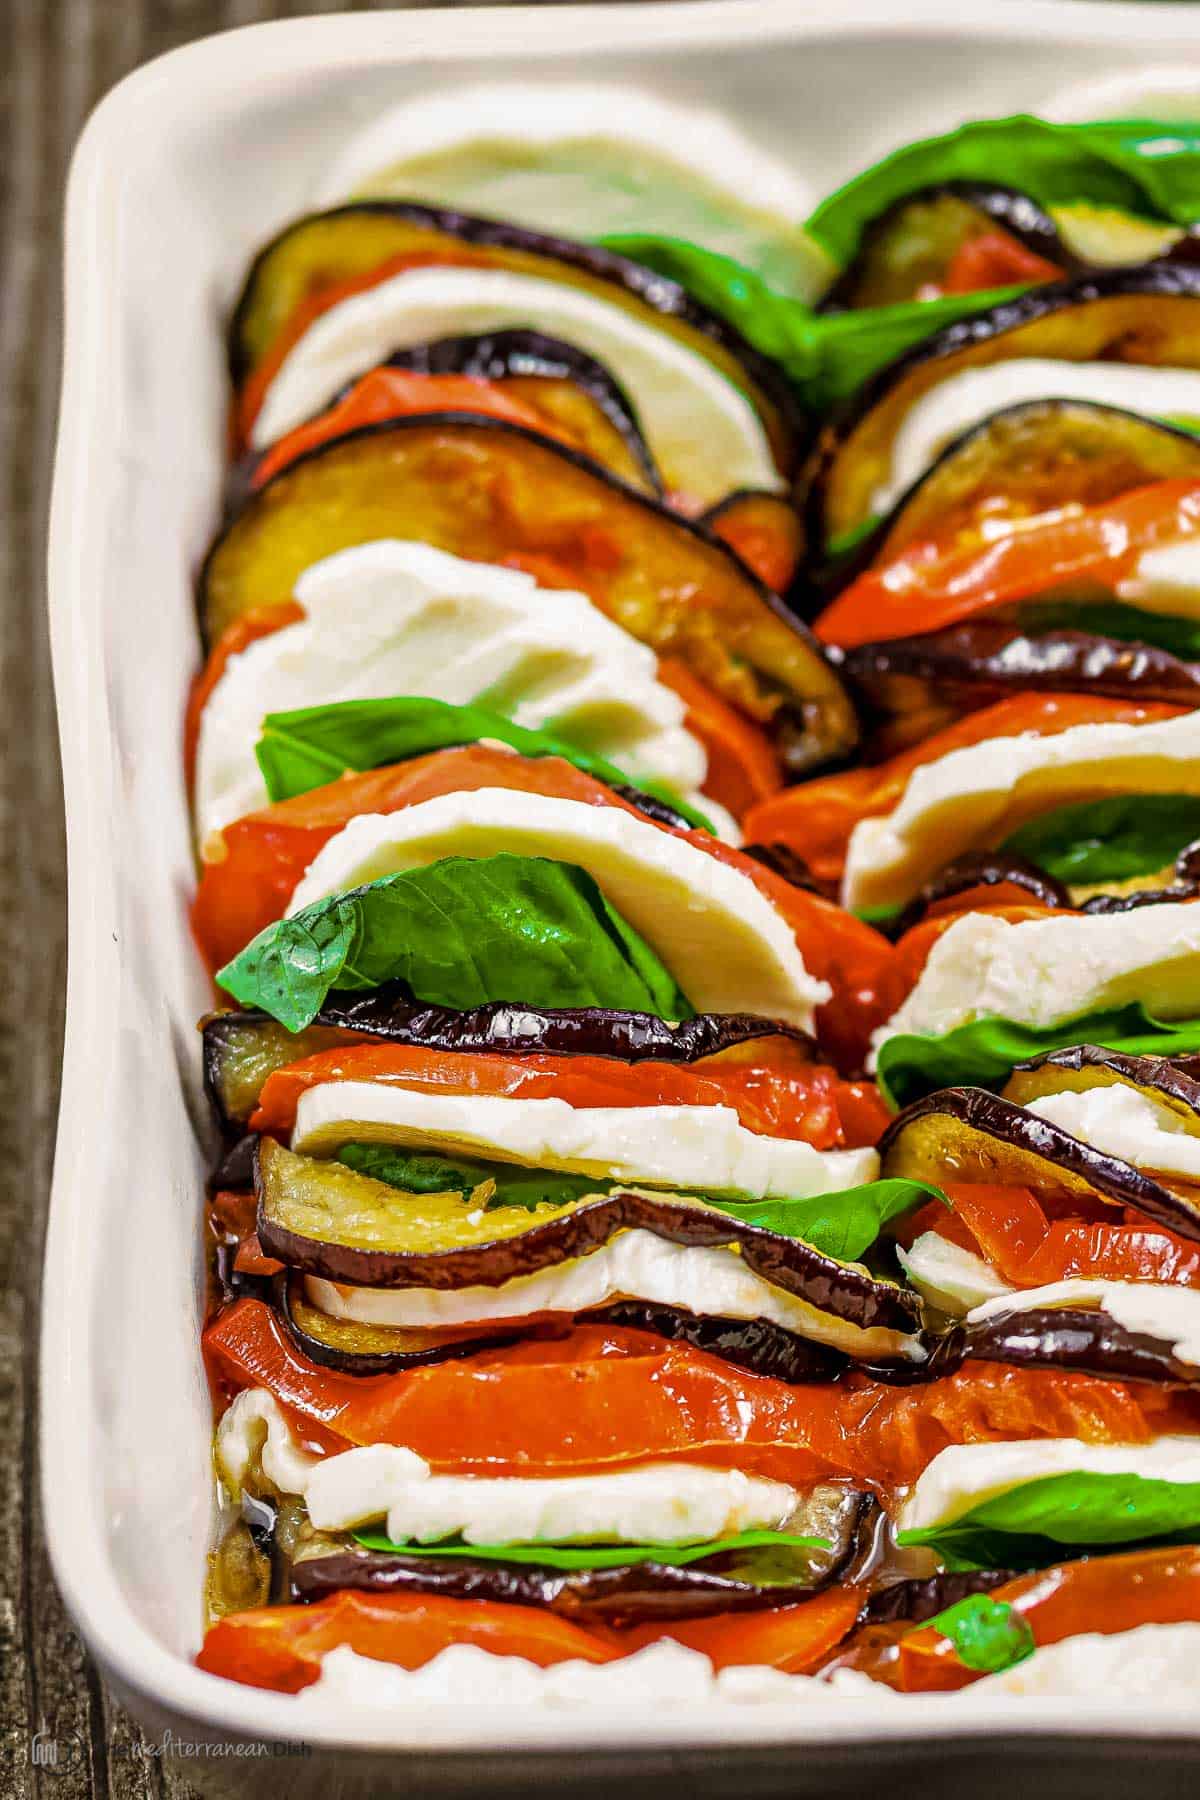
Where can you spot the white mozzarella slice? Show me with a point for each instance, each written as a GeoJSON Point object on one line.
{"type": "Point", "coordinates": [949, 1276]}
{"type": "Point", "coordinates": [975, 797]}
{"type": "Point", "coordinates": [717, 933]}
{"type": "Point", "coordinates": [1166, 580]}
{"type": "Point", "coordinates": [493, 117]}
{"type": "Point", "coordinates": [676, 1146]}
{"type": "Point", "coordinates": [662, 1674]}
{"type": "Point", "coordinates": [657, 1503]}
{"type": "Point", "coordinates": [396, 617]}
{"type": "Point", "coordinates": [1151, 1662]}
{"type": "Point", "coordinates": [1047, 971]}
{"type": "Point", "coordinates": [963, 1476]}
{"type": "Point", "coordinates": [965, 400]}
{"type": "Point", "coordinates": [1127, 1123]}
{"type": "Point", "coordinates": [703, 431]}
{"type": "Point", "coordinates": [1158, 1310]}
{"type": "Point", "coordinates": [635, 1265]}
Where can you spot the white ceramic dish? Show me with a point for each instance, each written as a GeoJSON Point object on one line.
{"type": "Point", "coordinates": [182, 171]}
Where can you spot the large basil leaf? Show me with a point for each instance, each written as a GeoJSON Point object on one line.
{"type": "Point", "coordinates": [828, 358]}
{"type": "Point", "coordinates": [842, 1225]}
{"type": "Point", "coordinates": [597, 1556]}
{"type": "Point", "coordinates": [984, 1053]}
{"type": "Point", "coordinates": [304, 749]}
{"type": "Point", "coordinates": [1029, 1525]}
{"type": "Point", "coordinates": [1139, 166]}
{"type": "Point", "coordinates": [1110, 840]}
{"type": "Point", "coordinates": [459, 933]}
{"type": "Point", "coordinates": [1112, 619]}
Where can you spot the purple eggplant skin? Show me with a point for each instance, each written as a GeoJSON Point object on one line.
{"type": "Point", "coordinates": [1163, 280]}
{"type": "Point", "coordinates": [840, 1289]}
{"type": "Point", "coordinates": [971, 665]}
{"type": "Point", "coordinates": [631, 1594]}
{"type": "Point", "coordinates": [387, 1012]}
{"type": "Point", "coordinates": [985, 868]}
{"type": "Point", "coordinates": [1084, 1339]}
{"type": "Point", "coordinates": [944, 1123]}
{"type": "Point", "coordinates": [498, 356]}
{"type": "Point", "coordinates": [1007, 207]}
{"type": "Point", "coordinates": [753, 1344]}
{"type": "Point", "coordinates": [667, 297]}
{"type": "Point", "coordinates": [914, 1601]}
{"type": "Point", "coordinates": [1173, 1079]}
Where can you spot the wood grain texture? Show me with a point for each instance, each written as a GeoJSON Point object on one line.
{"type": "Point", "coordinates": [58, 58]}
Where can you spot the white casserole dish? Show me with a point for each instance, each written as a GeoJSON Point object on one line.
{"type": "Point", "coordinates": [181, 173]}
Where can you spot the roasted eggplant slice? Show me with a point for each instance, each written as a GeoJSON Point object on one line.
{"type": "Point", "coordinates": [728, 1581]}
{"type": "Point", "coordinates": [913, 686]}
{"type": "Point", "coordinates": [1025, 460]}
{"type": "Point", "coordinates": [493, 492]}
{"type": "Point", "coordinates": [912, 1601]}
{"type": "Point", "coordinates": [328, 1220]}
{"type": "Point", "coordinates": [325, 251]}
{"type": "Point", "coordinates": [1084, 1339]}
{"type": "Point", "coordinates": [754, 1344]}
{"type": "Point", "coordinates": [978, 869]}
{"type": "Point", "coordinates": [907, 251]}
{"type": "Point", "coordinates": [357, 1349]}
{"type": "Point", "coordinates": [969, 1134]}
{"type": "Point", "coordinates": [1143, 315]}
{"type": "Point", "coordinates": [564, 385]}
{"type": "Point", "coordinates": [1173, 1084]}
{"type": "Point", "coordinates": [242, 1048]}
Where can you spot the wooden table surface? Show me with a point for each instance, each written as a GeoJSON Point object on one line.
{"type": "Point", "coordinates": [58, 58]}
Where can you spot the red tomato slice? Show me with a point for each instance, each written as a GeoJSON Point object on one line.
{"type": "Point", "coordinates": [602, 1398]}
{"type": "Point", "coordinates": [794, 1639]}
{"type": "Point", "coordinates": [253, 866]}
{"type": "Point", "coordinates": [387, 393]}
{"type": "Point", "coordinates": [1010, 1229]}
{"type": "Point", "coordinates": [1106, 1594]}
{"type": "Point", "coordinates": [786, 1102]}
{"type": "Point", "coordinates": [281, 1647]}
{"type": "Point", "coordinates": [994, 259]}
{"type": "Point", "coordinates": [816, 819]}
{"type": "Point", "coordinates": [924, 588]}
{"type": "Point", "coordinates": [742, 765]}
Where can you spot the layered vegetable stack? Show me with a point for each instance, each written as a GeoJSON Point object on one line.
{"type": "Point", "coordinates": [698, 806]}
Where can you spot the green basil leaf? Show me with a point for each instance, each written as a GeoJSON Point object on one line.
{"type": "Point", "coordinates": [1113, 619]}
{"type": "Point", "coordinates": [1029, 1526]}
{"type": "Point", "coordinates": [458, 933]}
{"type": "Point", "coordinates": [984, 1053]}
{"type": "Point", "coordinates": [597, 1556]}
{"type": "Point", "coordinates": [1110, 840]}
{"type": "Point", "coordinates": [1138, 167]}
{"type": "Point", "coordinates": [304, 749]}
{"type": "Point", "coordinates": [988, 1635]}
{"type": "Point", "coordinates": [422, 1173]}
{"type": "Point", "coordinates": [842, 1225]}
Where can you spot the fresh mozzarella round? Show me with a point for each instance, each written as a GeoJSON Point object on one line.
{"type": "Point", "coordinates": [717, 933]}
{"type": "Point", "coordinates": [1046, 971]}
{"type": "Point", "coordinates": [635, 1265]}
{"type": "Point", "coordinates": [963, 1476]}
{"type": "Point", "coordinates": [494, 115]}
{"type": "Point", "coordinates": [1125, 1122]}
{"type": "Point", "coordinates": [1156, 1309]}
{"type": "Point", "coordinates": [977, 796]}
{"type": "Point", "coordinates": [965, 400]}
{"type": "Point", "coordinates": [702, 430]}
{"type": "Point", "coordinates": [660, 1674]}
{"type": "Point", "coordinates": [657, 1503]}
{"type": "Point", "coordinates": [1151, 1662]}
{"type": "Point", "coordinates": [1166, 580]}
{"type": "Point", "coordinates": [396, 617]}
{"type": "Point", "coordinates": [948, 1276]}
{"type": "Point", "coordinates": [680, 1146]}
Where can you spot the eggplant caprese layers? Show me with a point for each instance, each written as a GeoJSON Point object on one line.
{"type": "Point", "coordinates": [696, 794]}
